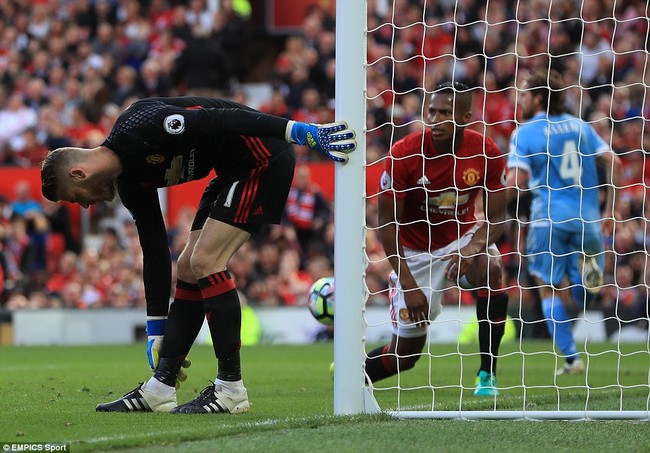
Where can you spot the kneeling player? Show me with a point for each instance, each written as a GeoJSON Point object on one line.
{"type": "Point", "coordinates": [430, 233]}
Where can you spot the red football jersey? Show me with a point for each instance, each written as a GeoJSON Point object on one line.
{"type": "Point", "coordinates": [440, 189]}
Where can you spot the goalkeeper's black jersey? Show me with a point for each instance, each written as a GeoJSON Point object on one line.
{"type": "Point", "coordinates": [168, 141]}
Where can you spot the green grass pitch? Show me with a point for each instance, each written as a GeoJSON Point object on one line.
{"type": "Point", "coordinates": [48, 394]}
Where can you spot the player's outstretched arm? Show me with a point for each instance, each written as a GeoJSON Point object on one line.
{"type": "Point", "coordinates": [335, 140]}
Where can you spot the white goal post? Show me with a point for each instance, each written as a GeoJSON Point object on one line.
{"type": "Point", "coordinates": [350, 394]}
{"type": "Point", "coordinates": [518, 400]}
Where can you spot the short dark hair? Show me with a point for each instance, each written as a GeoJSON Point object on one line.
{"type": "Point", "coordinates": [52, 168]}
{"type": "Point", "coordinates": [460, 92]}
{"type": "Point", "coordinates": [550, 85]}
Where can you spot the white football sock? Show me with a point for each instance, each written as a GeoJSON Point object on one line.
{"type": "Point", "coordinates": [153, 385]}
{"type": "Point", "coordinates": [229, 387]}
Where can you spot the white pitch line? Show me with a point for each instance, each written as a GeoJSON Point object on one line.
{"type": "Point", "coordinates": [269, 422]}
{"type": "Point", "coordinates": [14, 368]}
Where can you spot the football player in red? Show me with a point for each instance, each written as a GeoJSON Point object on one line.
{"type": "Point", "coordinates": [432, 237]}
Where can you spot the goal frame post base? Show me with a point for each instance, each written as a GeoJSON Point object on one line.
{"type": "Point", "coordinates": [522, 415]}
{"type": "Point", "coordinates": [370, 404]}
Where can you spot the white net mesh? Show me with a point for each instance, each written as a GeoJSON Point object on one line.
{"type": "Point", "coordinates": [601, 50]}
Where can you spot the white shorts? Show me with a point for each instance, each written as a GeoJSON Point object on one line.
{"type": "Point", "coordinates": [430, 274]}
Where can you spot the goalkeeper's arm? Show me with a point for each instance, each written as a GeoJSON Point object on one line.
{"type": "Point", "coordinates": [144, 206]}
{"type": "Point", "coordinates": [155, 333]}
{"type": "Point", "coordinates": [335, 140]}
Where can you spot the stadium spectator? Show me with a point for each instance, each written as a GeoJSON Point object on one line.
{"type": "Point", "coordinates": [296, 85]}
{"type": "Point", "coordinates": [268, 260]}
{"type": "Point", "coordinates": [291, 57]}
{"type": "Point", "coordinates": [430, 234]}
{"type": "Point", "coordinates": [160, 15]}
{"type": "Point", "coordinates": [61, 237]}
{"type": "Point", "coordinates": [136, 30]}
{"type": "Point", "coordinates": [319, 266]}
{"type": "Point", "coordinates": [12, 158]}
{"type": "Point", "coordinates": [564, 239]}
{"type": "Point", "coordinates": [494, 109]}
{"type": "Point", "coordinates": [293, 283]}
{"type": "Point", "coordinates": [199, 16]}
{"type": "Point", "coordinates": [66, 271]}
{"type": "Point", "coordinates": [242, 268]}
{"type": "Point", "coordinates": [231, 29]}
{"type": "Point", "coordinates": [200, 69]}
{"type": "Point", "coordinates": [594, 48]}
{"type": "Point", "coordinates": [110, 243]}
{"type": "Point", "coordinates": [276, 105]}
{"type": "Point", "coordinates": [180, 27]}
{"type": "Point", "coordinates": [82, 127]}
{"type": "Point", "coordinates": [126, 85]}
{"type": "Point", "coordinates": [35, 95]}
{"type": "Point", "coordinates": [105, 43]}
{"type": "Point", "coordinates": [40, 20]}
{"type": "Point", "coordinates": [107, 117]}
{"type": "Point", "coordinates": [32, 150]}
{"type": "Point", "coordinates": [165, 48]}
{"type": "Point", "coordinates": [153, 81]}
{"type": "Point", "coordinates": [179, 231]}
{"type": "Point", "coordinates": [15, 117]}
{"type": "Point", "coordinates": [23, 202]}
{"type": "Point", "coordinates": [307, 210]}
{"type": "Point", "coordinates": [22, 253]}
{"type": "Point", "coordinates": [310, 105]}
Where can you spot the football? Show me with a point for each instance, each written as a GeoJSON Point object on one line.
{"type": "Point", "coordinates": [321, 300]}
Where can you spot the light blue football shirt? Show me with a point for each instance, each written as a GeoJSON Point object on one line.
{"type": "Point", "coordinates": [559, 152]}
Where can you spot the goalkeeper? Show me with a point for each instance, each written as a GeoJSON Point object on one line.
{"type": "Point", "coordinates": [160, 142]}
{"type": "Point", "coordinates": [432, 238]}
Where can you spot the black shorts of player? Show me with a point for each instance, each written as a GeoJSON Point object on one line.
{"type": "Point", "coordinates": [251, 199]}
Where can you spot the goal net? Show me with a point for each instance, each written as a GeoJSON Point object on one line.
{"type": "Point", "coordinates": [390, 56]}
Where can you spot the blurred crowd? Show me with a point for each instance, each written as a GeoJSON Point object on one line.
{"type": "Point", "coordinates": [69, 67]}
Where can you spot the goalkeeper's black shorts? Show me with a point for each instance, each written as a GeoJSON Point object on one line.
{"type": "Point", "coordinates": [252, 198]}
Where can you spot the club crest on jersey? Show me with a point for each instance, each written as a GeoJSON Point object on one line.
{"type": "Point", "coordinates": [155, 159]}
{"type": "Point", "coordinates": [471, 176]}
{"type": "Point", "coordinates": [174, 124]}
{"type": "Point", "coordinates": [385, 181]}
